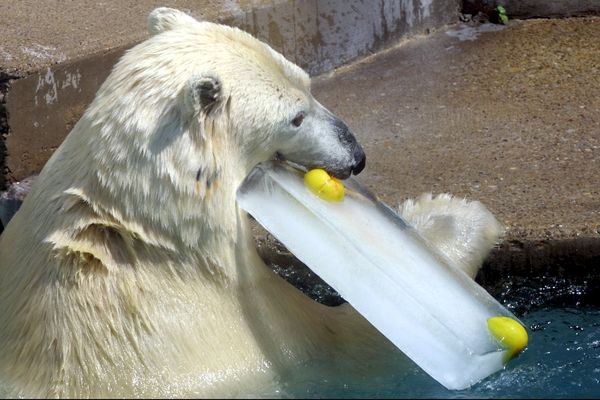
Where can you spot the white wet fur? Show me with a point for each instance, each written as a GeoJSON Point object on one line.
{"type": "Point", "coordinates": [130, 271]}
{"type": "Point", "coordinates": [464, 231]}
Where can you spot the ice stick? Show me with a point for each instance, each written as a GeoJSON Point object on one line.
{"type": "Point", "coordinates": [429, 309]}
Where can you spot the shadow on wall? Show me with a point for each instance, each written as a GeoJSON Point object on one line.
{"type": "Point", "coordinates": [4, 84]}
{"type": "Point", "coordinates": [534, 8]}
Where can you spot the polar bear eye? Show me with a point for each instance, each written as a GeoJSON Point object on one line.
{"type": "Point", "coordinates": [297, 121]}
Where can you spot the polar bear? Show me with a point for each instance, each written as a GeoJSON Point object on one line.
{"type": "Point", "coordinates": [129, 269]}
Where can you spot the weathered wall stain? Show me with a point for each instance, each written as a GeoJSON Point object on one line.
{"type": "Point", "coordinates": [48, 85]}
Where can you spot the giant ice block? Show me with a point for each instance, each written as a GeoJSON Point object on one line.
{"type": "Point", "coordinates": [429, 309]}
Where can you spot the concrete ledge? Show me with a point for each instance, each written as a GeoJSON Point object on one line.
{"type": "Point", "coordinates": [539, 274]}
{"type": "Point", "coordinates": [56, 55]}
{"type": "Point", "coordinates": [574, 259]}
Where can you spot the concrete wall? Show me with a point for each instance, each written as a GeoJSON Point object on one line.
{"type": "Point", "coordinates": [46, 87]}
{"type": "Point", "coordinates": [320, 35]}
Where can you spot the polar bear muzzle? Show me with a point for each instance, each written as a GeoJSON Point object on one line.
{"type": "Point", "coordinates": [359, 156]}
{"type": "Point", "coordinates": [346, 136]}
{"type": "Point", "coordinates": [343, 157]}
{"type": "Point", "coordinates": [324, 141]}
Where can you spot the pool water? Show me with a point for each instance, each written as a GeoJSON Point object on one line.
{"type": "Point", "coordinates": [562, 361]}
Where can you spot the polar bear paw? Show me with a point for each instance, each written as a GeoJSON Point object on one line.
{"type": "Point", "coordinates": [463, 231]}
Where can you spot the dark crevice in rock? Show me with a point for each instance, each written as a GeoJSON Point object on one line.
{"type": "Point", "coordinates": [5, 80]}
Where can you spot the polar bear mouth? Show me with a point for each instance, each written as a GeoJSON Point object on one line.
{"type": "Point", "coordinates": [280, 158]}
{"type": "Point", "coordinates": [339, 172]}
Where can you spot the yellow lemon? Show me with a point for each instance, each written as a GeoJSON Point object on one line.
{"type": "Point", "coordinates": [323, 185]}
{"type": "Point", "coordinates": [510, 333]}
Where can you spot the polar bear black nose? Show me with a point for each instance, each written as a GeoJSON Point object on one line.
{"type": "Point", "coordinates": [360, 160]}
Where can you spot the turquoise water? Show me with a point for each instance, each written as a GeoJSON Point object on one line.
{"type": "Point", "coordinates": [562, 361]}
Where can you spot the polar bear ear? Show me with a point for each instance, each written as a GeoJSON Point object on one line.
{"type": "Point", "coordinates": [202, 93]}
{"type": "Point", "coordinates": [164, 19]}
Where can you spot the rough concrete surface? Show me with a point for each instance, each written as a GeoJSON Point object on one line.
{"type": "Point", "coordinates": [37, 34]}
{"type": "Point", "coordinates": [510, 118]}
{"type": "Point", "coordinates": [317, 34]}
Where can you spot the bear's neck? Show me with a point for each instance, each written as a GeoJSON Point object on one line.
{"type": "Point", "coordinates": [185, 194]}
{"type": "Point", "coordinates": [197, 218]}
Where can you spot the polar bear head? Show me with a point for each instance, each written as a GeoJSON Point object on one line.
{"type": "Point", "coordinates": [186, 114]}
{"type": "Point", "coordinates": [218, 88]}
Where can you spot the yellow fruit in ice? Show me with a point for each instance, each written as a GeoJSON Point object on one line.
{"type": "Point", "coordinates": [510, 333]}
{"type": "Point", "coordinates": [324, 185]}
